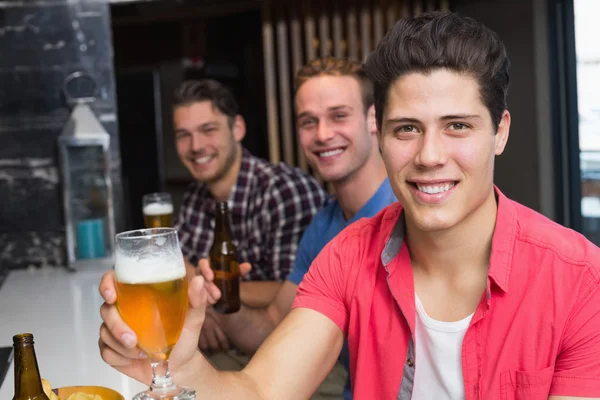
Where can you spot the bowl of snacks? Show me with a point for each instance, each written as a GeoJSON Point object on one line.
{"type": "Point", "coordinates": [80, 392]}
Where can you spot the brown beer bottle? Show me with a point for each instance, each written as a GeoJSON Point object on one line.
{"type": "Point", "coordinates": [28, 383]}
{"type": "Point", "coordinates": [224, 263]}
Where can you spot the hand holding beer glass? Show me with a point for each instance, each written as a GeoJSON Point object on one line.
{"type": "Point", "coordinates": [158, 210]}
{"type": "Point", "coordinates": [152, 299]}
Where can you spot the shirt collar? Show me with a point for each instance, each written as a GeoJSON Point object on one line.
{"type": "Point", "coordinates": [241, 187]}
{"type": "Point", "coordinates": [383, 197]}
{"type": "Point", "coordinates": [243, 182]}
{"type": "Point", "coordinates": [502, 241]}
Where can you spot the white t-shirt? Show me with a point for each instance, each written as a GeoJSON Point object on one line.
{"type": "Point", "coordinates": [438, 366]}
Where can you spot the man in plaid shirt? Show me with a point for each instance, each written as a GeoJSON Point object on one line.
{"type": "Point", "coordinates": [270, 205]}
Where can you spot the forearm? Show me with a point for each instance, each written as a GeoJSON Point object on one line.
{"type": "Point", "coordinates": [213, 384]}
{"type": "Point", "coordinates": [258, 294]}
{"type": "Point", "coordinates": [248, 328]}
{"type": "Point", "coordinates": [290, 365]}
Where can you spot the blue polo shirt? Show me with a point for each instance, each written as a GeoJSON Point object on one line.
{"type": "Point", "coordinates": [325, 225]}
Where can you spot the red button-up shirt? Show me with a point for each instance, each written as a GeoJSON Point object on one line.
{"type": "Point", "coordinates": [535, 332]}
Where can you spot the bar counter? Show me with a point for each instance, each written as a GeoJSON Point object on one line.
{"type": "Point", "coordinates": [61, 309]}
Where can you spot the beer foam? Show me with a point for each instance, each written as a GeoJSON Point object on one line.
{"type": "Point", "coordinates": [158, 209]}
{"type": "Point", "coordinates": [150, 270]}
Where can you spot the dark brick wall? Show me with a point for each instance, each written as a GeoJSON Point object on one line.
{"type": "Point", "coordinates": [41, 43]}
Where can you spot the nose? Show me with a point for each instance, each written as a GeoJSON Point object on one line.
{"type": "Point", "coordinates": [432, 153]}
{"type": "Point", "coordinates": [324, 132]}
{"type": "Point", "coordinates": [197, 142]}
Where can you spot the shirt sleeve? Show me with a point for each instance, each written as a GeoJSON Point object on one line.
{"type": "Point", "coordinates": [287, 212]}
{"type": "Point", "coordinates": [323, 288]}
{"type": "Point", "coordinates": [183, 229]}
{"type": "Point", "coordinates": [577, 369]}
{"type": "Point", "coordinates": [306, 252]}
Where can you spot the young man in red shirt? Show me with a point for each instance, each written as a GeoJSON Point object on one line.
{"type": "Point", "coordinates": [460, 293]}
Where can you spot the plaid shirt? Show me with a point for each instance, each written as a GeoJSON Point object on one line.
{"type": "Point", "coordinates": [270, 206]}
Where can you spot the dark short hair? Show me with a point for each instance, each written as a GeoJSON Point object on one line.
{"type": "Point", "coordinates": [436, 40]}
{"type": "Point", "coordinates": [196, 91]}
{"type": "Point", "coordinates": [338, 67]}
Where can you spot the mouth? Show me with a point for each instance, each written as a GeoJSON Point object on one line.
{"type": "Point", "coordinates": [432, 192]}
{"type": "Point", "coordinates": [433, 188]}
{"type": "Point", "coordinates": [330, 153]}
{"type": "Point", "coordinates": [203, 160]}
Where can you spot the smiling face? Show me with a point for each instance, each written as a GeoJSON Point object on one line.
{"type": "Point", "coordinates": [335, 132]}
{"type": "Point", "coordinates": [207, 140]}
{"type": "Point", "coordinates": [438, 143]}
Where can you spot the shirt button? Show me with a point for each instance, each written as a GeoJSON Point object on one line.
{"type": "Point", "coordinates": [410, 362]}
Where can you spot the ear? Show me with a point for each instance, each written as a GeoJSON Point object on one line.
{"type": "Point", "coordinates": [502, 133]}
{"type": "Point", "coordinates": [239, 128]}
{"type": "Point", "coordinates": [371, 121]}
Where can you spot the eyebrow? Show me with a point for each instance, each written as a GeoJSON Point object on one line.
{"type": "Point", "coordinates": [208, 124]}
{"type": "Point", "coordinates": [200, 127]}
{"type": "Point", "coordinates": [443, 118]}
{"type": "Point", "coordinates": [342, 107]}
{"type": "Point", "coordinates": [329, 109]}
{"type": "Point", "coordinates": [460, 116]}
{"type": "Point", "coordinates": [399, 120]}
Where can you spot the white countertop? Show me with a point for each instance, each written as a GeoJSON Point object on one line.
{"type": "Point", "coordinates": [61, 310]}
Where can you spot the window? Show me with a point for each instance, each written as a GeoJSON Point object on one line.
{"type": "Point", "coordinates": [587, 33]}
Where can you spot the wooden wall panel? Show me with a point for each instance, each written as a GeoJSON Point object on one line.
{"type": "Point", "coordinates": [296, 31]}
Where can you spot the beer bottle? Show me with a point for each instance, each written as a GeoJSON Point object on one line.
{"type": "Point", "coordinates": [224, 263]}
{"type": "Point", "coordinates": [28, 383]}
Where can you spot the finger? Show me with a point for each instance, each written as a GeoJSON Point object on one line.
{"type": "Point", "coordinates": [117, 327]}
{"type": "Point", "coordinates": [109, 340]}
{"type": "Point", "coordinates": [245, 268]}
{"type": "Point", "coordinates": [205, 270]}
{"type": "Point", "coordinates": [214, 293]}
{"type": "Point", "coordinates": [137, 369]}
{"type": "Point", "coordinates": [107, 287]}
{"type": "Point", "coordinates": [113, 357]}
{"type": "Point", "coordinates": [189, 340]}
{"type": "Point", "coordinates": [190, 336]}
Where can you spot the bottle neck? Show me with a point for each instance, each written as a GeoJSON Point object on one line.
{"type": "Point", "coordinates": [222, 229]}
{"type": "Point", "coordinates": [28, 383]}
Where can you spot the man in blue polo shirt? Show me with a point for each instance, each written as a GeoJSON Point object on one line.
{"type": "Point", "coordinates": [337, 131]}
{"type": "Point", "coordinates": [326, 224]}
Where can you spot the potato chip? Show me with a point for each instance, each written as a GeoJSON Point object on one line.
{"type": "Point", "coordinates": [48, 390]}
{"type": "Point", "coordinates": [75, 396]}
{"type": "Point", "coordinates": [47, 387]}
{"type": "Point", "coordinates": [83, 396]}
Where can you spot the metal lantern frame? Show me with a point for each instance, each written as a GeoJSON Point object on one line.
{"type": "Point", "coordinates": [83, 130]}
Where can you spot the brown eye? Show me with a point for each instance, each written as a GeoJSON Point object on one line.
{"type": "Point", "coordinates": [457, 126]}
{"type": "Point", "coordinates": [406, 129]}
{"type": "Point", "coordinates": [307, 123]}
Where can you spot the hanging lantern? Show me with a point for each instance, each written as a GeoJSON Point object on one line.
{"type": "Point", "coordinates": [87, 190]}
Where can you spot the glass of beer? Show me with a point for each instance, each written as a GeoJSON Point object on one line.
{"type": "Point", "coordinates": [152, 299]}
{"type": "Point", "coordinates": [158, 210]}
